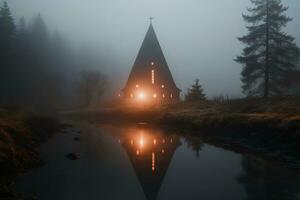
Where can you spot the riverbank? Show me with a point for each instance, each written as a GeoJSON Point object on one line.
{"type": "Point", "coordinates": [20, 133]}
{"type": "Point", "coordinates": [269, 128]}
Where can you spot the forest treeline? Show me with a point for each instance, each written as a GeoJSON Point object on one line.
{"type": "Point", "coordinates": [39, 69]}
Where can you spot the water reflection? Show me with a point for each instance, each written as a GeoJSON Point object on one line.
{"type": "Point", "coordinates": [139, 162]}
{"type": "Point", "coordinates": [194, 143]}
{"type": "Point", "coordinates": [150, 153]}
{"type": "Point", "coordinates": [264, 180]}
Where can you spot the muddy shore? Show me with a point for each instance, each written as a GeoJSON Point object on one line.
{"type": "Point", "coordinates": [20, 133]}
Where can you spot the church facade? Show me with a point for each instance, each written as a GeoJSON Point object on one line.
{"type": "Point", "coordinates": [150, 77]}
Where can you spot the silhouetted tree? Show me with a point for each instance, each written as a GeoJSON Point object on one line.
{"type": "Point", "coordinates": [194, 143]}
{"type": "Point", "coordinates": [195, 93]}
{"type": "Point", "coordinates": [7, 29]}
{"type": "Point", "coordinates": [90, 86]}
{"type": "Point", "coordinates": [7, 34]}
{"type": "Point", "coordinates": [37, 67]}
{"type": "Point", "coordinates": [269, 52]}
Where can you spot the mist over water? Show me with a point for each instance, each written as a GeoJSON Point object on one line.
{"type": "Point", "coordinates": [199, 38]}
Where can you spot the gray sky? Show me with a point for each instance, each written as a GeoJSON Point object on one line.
{"type": "Point", "coordinates": [198, 37]}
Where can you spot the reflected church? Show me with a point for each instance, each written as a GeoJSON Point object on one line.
{"type": "Point", "coordinates": [150, 153]}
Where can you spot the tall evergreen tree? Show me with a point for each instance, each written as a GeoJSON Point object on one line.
{"type": "Point", "coordinates": [194, 143]}
{"type": "Point", "coordinates": [39, 37]}
{"type": "Point", "coordinates": [7, 28]}
{"type": "Point", "coordinates": [7, 33]}
{"type": "Point", "coordinates": [269, 53]}
{"type": "Point", "coordinates": [195, 93]}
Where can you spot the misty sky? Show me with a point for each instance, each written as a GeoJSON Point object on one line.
{"type": "Point", "coordinates": [198, 37]}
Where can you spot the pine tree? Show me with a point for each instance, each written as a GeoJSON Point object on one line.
{"type": "Point", "coordinates": [7, 28]}
{"type": "Point", "coordinates": [270, 53]}
{"type": "Point", "coordinates": [7, 34]}
{"type": "Point", "coordinates": [195, 144]}
{"type": "Point", "coordinates": [195, 93]}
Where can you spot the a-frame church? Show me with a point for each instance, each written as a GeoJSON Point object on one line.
{"type": "Point", "coordinates": [150, 77]}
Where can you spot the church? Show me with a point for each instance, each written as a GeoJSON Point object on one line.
{"type": "Point", "coordinates": [150, 78]}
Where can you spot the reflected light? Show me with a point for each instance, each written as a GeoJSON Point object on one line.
{"type": "Point", "coordinates": [153, 161]}
{"type": "Point", "coordinates": [154, 141]}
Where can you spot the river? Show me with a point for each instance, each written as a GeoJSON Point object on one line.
{"type": "Point", "coordinates": [138, 162]}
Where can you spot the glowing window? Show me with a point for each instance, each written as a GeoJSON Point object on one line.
{"type": "Point", "coordinates": [152, 76]}
{"type": "Point", "coordinates": [162, 86]}
{"type": "Point", "coordinates": [137, 86]}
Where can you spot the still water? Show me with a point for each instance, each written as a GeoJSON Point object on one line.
{"type": "Point", "coordinates": [145, 163]}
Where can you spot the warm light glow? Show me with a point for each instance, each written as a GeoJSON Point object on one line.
{"type": "Point", "coordinates": [163, 151]}
{"type": "Point", "coordinates": [131, 142]}
{"type": "Point", "coordinates": [119, 95]}
{"type": "Point", "coordinates": [153, 161]}
{"type": "Point", "coordinates": [154, 96]}
{"type": "Point", "coordinates": [152, 63]}
{"type": "Point", "coordinates": [164, 95]}
{"type": "Point", "coordinates": [137, 152]}
{"type": "Point", "coordinates": [171, 96]}
{"type": "Point", "coordinates": [131, 95]}
{"type": "Point", "coordinates": [142, 142]}
{"type": "Point", "coordinates": [154, 141]}
{"type": "Point", "coordinates": [141, 96]}
{"type": "Point", "coordinates": [137, 86]}
{"type": "Point", "coordinates": [162, 86]}
{"type": "Point", "coordinates": [152, 76]}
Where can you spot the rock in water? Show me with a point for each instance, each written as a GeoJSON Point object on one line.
{"type": "Point", "coordinates": [72, 156]}
{"type": "Point", "coordinates": [76, 138]}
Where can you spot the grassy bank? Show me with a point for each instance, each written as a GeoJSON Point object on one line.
{"type": "Point", "coordinates": [268, 127]}
{"type": "Point", "coordinates": [253, 115]}
{"type": "Point", "coordinates": [20, 132]}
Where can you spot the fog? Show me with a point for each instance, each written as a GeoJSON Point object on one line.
{"type": "Point", "coordinates": [198, 37]}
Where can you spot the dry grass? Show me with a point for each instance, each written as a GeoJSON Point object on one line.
{"type": "Point", "coordinates": [19, 133]}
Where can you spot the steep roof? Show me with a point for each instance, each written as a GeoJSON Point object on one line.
{"type": "Point", "coordinates": [151, 51]}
